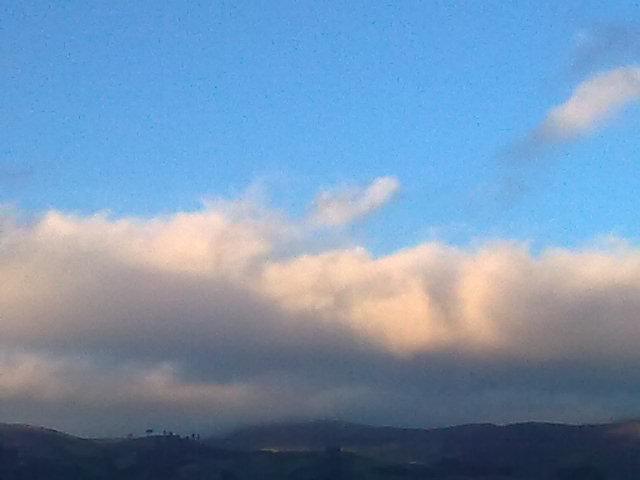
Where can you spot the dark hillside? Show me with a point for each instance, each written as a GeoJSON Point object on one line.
{"type": "Point", "coordinates": [332, 451]}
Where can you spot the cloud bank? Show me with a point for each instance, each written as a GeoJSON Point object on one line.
{"type": "Point", "coordinates": [197, 321]}
{"type": "Point", "coordinates": [344, 206]}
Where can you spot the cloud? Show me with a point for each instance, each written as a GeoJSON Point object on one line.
{"type": "Point", "coordinates": [341, 207]}
{"type": "Point", "coordinates": [604, 45]}
{"type": "Point", "coordinates": [591, 104]}
{"type": "Point", "coordinates": [201, 320]}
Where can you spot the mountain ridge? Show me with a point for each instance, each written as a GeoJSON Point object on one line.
{"type": "Point", "coordinates": [333, 450]}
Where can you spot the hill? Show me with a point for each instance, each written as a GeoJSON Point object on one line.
{"type": "Point", "coordinates": [524, 450]}
{"type": "Point", "coordinates": [332, 451]}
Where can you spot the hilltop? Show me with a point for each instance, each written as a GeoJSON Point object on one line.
{"type": "Point", "coordinates": [324, 450]}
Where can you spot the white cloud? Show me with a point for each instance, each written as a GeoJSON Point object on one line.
{"type": "Point", "coordinates": [344, 206]}
{"type": "Point", "coordinates": [191, 320]}
{"type": "Point", "coordinates": [594, 101]}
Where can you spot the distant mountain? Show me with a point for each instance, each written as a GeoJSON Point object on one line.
{"type": "Point", "coordinates": [330, 450]}
{"type": "Point", "coordinates": [524, 450]}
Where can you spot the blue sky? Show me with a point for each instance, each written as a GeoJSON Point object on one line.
{"type": "Point", "coordinates": [144, 108]}
{"type": "Point", "coordinates": [410, 213]}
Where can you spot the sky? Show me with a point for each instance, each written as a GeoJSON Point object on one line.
{"type": "Point", "coordinates": [412, 213]}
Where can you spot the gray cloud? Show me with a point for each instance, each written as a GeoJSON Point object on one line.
{"type": "Point", "coordinates": [605, 45]}
{"type": "Point", "coordinates": [192, 322]}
